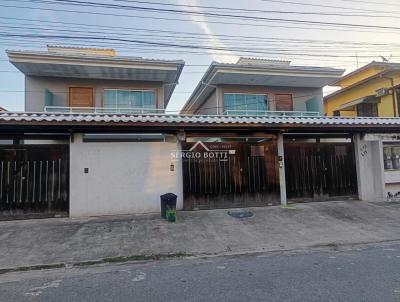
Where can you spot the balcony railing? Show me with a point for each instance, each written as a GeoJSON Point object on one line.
{"type": "Point", "coordinates": [103, 110]}
{"type": "Point", "coordinates": [271, 113]}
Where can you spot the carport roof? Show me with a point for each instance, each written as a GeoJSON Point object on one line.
{"type": "Point", "coordinates": [13, 120]}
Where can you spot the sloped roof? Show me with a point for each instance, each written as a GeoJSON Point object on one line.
{"type": "Point", "coordinates": [78, 65]}
{"type": "Point", "coordinates": [321, 123]}
{"type": "Point", "coordinates": [273, 75]}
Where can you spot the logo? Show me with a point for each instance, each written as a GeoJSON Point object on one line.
{"type": "Point", "coordinates": [199, 143]}
{"type": "Point", "coordinates": [212, 151]}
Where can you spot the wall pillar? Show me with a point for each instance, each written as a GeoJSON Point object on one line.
{"type": "Point", "coordinates": [282, 176]}
{"type": "Point", "coordinates": [370, 170]}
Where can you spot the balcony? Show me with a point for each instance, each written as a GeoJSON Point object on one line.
{"type": "Point", "coordinates": [103, 110]}
{"type": "Point", "coordinates": [271, 113]}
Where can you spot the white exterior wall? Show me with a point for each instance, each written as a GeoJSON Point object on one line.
{"type": "Point", "coordinates": [123, 178]}
{"type": "Point", "coordinates": [370, 172]}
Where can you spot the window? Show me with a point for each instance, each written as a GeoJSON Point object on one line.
{"type": "Point", "coordinates": [391, 157]}
{"type": "Point", "coordinates": [367, 109]}
{"type": "Point", "coordinates": [126, 99]}
{"type": "Point", "coordinates": [283, 102]}
{"type": "Point", "coordinates": [245, 104]}
{"type": "Point", "coordinates": [398, 99]}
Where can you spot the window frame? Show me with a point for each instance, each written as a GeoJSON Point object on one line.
{"type": "Point", "coordinates": [131, 90]}
{"type": "Point", "coordinates": [265, 95]}
{"type": "Point", "coordinates": [362, 108]}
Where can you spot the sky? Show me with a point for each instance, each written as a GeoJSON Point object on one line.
{"type": "Point", "coordinates": [337, 33]}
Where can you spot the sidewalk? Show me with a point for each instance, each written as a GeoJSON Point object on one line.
{"type": "Point", "coordinates": [64, 240]}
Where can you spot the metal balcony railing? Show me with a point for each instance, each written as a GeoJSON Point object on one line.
{"type": "Point", "coordinates": [271, 113]}
{"type": "Point", "coordinates": [104, 110]}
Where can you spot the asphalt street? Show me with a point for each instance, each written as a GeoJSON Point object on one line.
{"type": "Point", "coordinates": [367, 273]}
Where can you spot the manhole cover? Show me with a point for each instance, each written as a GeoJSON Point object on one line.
{"type": "Point", "coordinates": [241, 214]}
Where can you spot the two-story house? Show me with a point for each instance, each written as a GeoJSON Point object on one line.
{"type": "Point", "coordinates": [318, 165]}
{"type": "Point", "coordinates": [94, 80]}
{"type": "Point", "coordinates": [259, 86]}
{"type": "Point", "coordinates": [85, 173]}
{"type": "Point", "coordinates": [95, 140]}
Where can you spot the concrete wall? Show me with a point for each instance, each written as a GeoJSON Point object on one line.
{"type": "Point", "coordinates": [35, 90]}
{"type": "Point", "coordinates": [370, 172]}
{"type": "Point", "coordinates": [123, 178]}
{"type": "Point", "coordinates": [300, 96]}
{"type": "Point", "coordinates": [209, 107]}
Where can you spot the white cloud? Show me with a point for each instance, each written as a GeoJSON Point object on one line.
{"type": "Point", "coordinates": [225, 56]}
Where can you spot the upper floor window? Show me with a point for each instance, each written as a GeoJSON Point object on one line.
{"type": "Point", "coordinates": [245, 104]}
{"type": "Point", "coordinates": [367, 109]}
{"type": "Point", "coordinates": [124, 98]}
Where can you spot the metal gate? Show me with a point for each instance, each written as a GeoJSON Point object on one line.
{"type": "Point", "coordinates": [227, 175]}
{"type": "Point", "coordinates": [34, 181]}
{"type": "Point", "coordinates": [320, 171]}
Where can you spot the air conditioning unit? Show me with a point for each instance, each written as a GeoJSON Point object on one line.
{"type": "Point", "coordinates": [382, 92]}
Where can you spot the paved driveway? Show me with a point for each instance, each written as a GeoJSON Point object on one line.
{"type": "Point", "coordinates": [35, 242]}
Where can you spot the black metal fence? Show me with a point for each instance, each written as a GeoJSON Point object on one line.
{"type": "Point", "coordinates": [320, 170]}
{"type": "Point", "coordinates": [246, 176]}
{"type": "Point", "coordinates": [34, 180]}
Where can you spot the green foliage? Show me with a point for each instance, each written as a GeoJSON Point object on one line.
{"type": "Point", "coordinates": [171, 215]}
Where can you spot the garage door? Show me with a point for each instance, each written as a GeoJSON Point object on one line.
{"type": "Point", "coordinates": [231, 174]}
{"type": "Point", "coordinates": [320, 171]}
{"type": "Point", "coordinates": [34, 181]}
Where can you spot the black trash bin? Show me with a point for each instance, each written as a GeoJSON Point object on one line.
{"type": "Point", "coordinates": [167, 201]}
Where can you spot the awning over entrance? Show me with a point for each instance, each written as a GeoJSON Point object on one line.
{"type": "Point", "coordinates": [350, 106]}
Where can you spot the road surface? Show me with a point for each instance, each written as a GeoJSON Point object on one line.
{"type": "Point", "coordinates": [368, 273]}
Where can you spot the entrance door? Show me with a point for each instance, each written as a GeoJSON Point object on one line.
{"type": "Point", "coordinates": [320, 171]}
{"type": "Point", "coordinates": [34, 181]}
{"type": "Point", "coordinates": [81, 97]}
{"type": "Point", "coordinates": [231, 174]}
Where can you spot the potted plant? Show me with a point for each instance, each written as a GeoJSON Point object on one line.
{"type": "Point", "coordinates": [171, 214]}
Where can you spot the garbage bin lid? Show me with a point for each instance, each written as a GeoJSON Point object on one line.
{"type": "Point", "coordinates": [169, 196]}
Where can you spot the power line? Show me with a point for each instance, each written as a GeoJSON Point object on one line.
{"type": "Point", "coordinates": [354, 29]}
{"type": "Point", "coordinates": [328, 6]}
{"type": "Point", "coordinates": [141, 8]}
{"type": "Point", "coordinates": [306, 47]}
{"type": "Point", "coordinates": [206, 36]}
{"type": "Point", "coordinates": [230, 9]}
{"type": "Point", "coordinates": [172, 45]}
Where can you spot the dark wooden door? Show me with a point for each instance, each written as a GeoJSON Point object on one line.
{"type": "Point", "coordinates": [320, 171]}
{"type": "Point", "coordinates": [243, 176]}
{"type": "Point", "coordinates": [34, 181]}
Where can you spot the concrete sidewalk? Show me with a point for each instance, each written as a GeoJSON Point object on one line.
{"type": "Point", "coordinates": [49, 241]}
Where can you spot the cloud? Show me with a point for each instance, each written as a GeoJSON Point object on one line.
{"type": "Point", "coordinates": [223, 56]}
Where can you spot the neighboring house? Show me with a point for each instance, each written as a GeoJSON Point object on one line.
{"type": "Point", "coordinates": [95, 139]}
{"type": "Point", "coordinates": [257, 87]}
{"type": "Point", "coordinates": [372, 90]}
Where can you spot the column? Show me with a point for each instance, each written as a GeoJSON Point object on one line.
{"type": "Point", "coordinates": [282, 177]}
